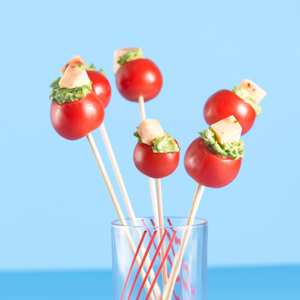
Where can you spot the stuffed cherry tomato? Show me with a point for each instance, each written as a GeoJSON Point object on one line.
{"type": "Point", "coordinates": [75, 110]}
{"type": "Point", "coordinates": [154, 165]}
{"type": "Point", "coordinates": [208, 168]}
{"type": "Point", "coordinates": [242, 102]}
{"type": "Point", "coordinates": [100, 86]}
{"type": "Point", "coordinates": [74, 120]}
{"type": "Point", "coordinates": [156, 154]}
{"type": "Point", "coordinates": [138, 76]}
{"type": "Point", "coordinates": [223, 104]}
{"type": "Point", "coordinates": [215, 158]}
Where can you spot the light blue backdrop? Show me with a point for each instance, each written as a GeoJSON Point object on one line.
{"type": "Point", "coordinates": [55, 212]}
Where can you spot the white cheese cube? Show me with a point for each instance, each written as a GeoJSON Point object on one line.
{"type": "Point", "coordinates": [76, 60]}
{"type": "Point", "coordinates": [149, 130]}
{"type": "Point", "coordinates": [227, 130]}
{"type": "Point", "coordinates": [74, 77]}
{"type": "Point", "coordinates": [117, 54]}
{"type": "Point", "coordinates": [257, 93]}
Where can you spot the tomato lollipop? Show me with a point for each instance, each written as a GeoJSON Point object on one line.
{"type": "Point", "coordinates": [75, 112]}
{"type": "Point", "coordinates": [138, 80]}
{"type": "Point", "coordinates": [212, 160]}
{"type": "Point", "coordinates": [156, 155]}
{"type": "Point", "coordinates": [242, 102]}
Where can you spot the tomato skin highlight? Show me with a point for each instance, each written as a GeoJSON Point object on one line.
{"type": "Point", "coordinates": [225, 103]}
{"type": "Point", "coordinates": [154, 165]}
{"type": "Point", "coordinates": [100, 86]}
{"type": "Point", "coordinates": [74, 120]}
{"type": "Point", "coordinates": [139, 77]}
{"type": "Point", "coordinates": [208, 168]}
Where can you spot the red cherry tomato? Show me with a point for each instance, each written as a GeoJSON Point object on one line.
{"type": "Point", "coordinates": [208, 168]}
{"type": "Point", "coordinates": [100, 86]}
{"type": "Point", "coordinates": [154, 165]}
{"type": "Point", "coordinates": [140, 77]}
{"type": "Point", "coordinates": [74, 120]}
{"type": "Point", "coordinates": [223, 104]}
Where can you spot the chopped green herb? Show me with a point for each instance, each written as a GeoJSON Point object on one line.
{"type": "Point", "coordinates": [61, 95]}
{"type": "Point", "coordinates": [161, 145]}
{"type": "Point", "coordinates": [130, 55]}
{"type": "Point", "coordinates": [233, 150]}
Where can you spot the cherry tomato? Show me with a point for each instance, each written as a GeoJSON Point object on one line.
{"type": "Point", "coordinates": [100, 86]}
{"type": "Point", "coordinates": [154, 165]}
{"type": "Point", "coordinates": [74, 120]}
{"type": "Point", "coordinates": [140, 77]}
{"type": "Point", "coordinates": [208, 168]}
{"type": "Point", "coordinates": [223, 104]}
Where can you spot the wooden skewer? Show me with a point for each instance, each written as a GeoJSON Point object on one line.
{"type": "Point", "coordinates": [156, 198]}
{"type": "Point", "coordinates": [126, 198]}
{"type": "Point", "coordinates": [118, 174]}
{"type": "Point", "coordinates": [142, 107]}
{"type": "Point", "coordinates": [117, 207]}
{"type": "Point", "coordinates": [161, 227]}
{"type": "Point", "coordinates": [151, 180]}
{"type": "Point", "coordinates": [185, 237]}
{"type": "Point", "coordinates": [154, 203]}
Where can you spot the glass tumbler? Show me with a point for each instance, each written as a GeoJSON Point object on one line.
{"type": "Point", "coordinates": [144, 265]}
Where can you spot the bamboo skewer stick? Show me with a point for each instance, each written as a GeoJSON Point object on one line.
{"type": "Point", "coordinates": [161, 227]}
{"type": "Point", "coordinates": [118, 174]}
{"type": "Point", "coordinates": [185, 237]}
{"type": "Point", "coordinates": [118, 208]}
{"type": "Point", "coordinates": [155, 202]}
{"type": "Point", "coordinates": [151, 180]}
{"type": "Point", "coordinates": [142, 108]}
{"type": "Point", "coordinates": [126, 198]}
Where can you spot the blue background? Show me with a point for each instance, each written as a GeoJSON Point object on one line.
{"type": "Point", "coordinates": [55, 212]}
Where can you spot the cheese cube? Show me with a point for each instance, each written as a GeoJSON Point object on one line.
{"type": "Point", "coordinates": [117, 54]}
{"type": "Point", "coordinates": [257, 93]}
{"type": "Point", "coordinates": [76, 60]}
{"type": "Point", "coordinates": [149, 130]}
{"type": "Point", "coordinates": [74, 77]}
{"type": "Point", "coordinates": [227, 130]}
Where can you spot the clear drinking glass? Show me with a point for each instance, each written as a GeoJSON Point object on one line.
{"type": "Point", "coordinates": [143, 257]}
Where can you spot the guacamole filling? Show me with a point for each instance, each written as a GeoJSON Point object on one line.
{"type": "Point", "coordinates": [233, 150]}
{"type": "Point", "coordinates": [131, 55]}
{"type": "Point", "coordinates": [247, 97]}
{"type": "Point", "coordinates": [161, 145]}
{"type": "Point", "coordinates": [61, 95]}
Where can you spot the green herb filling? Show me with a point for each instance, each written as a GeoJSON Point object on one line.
{"type": "Point", "coordinates": [131, 55]}
{"type": "Point", "coordinates": [164, 144]}
{"type": "Point", "coordinates": [61, 95]}
{"type": "Point", "coordinates": [233, 150]}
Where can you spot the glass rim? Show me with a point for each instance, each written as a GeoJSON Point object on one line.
{"type": "Point", "coordinates": [199, 223]}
